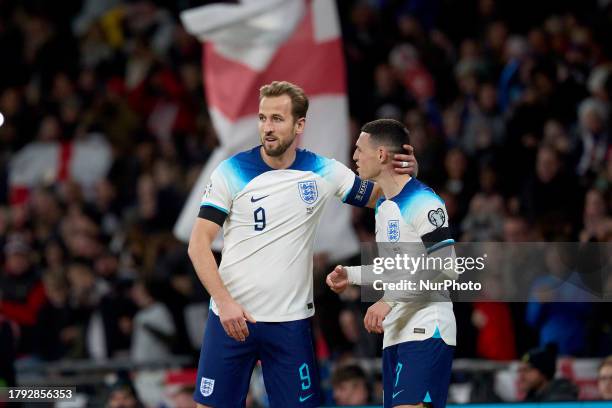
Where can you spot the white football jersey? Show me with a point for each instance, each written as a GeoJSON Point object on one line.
{"type": "Point", "coordinates": [418, 215]}
{"type": "Point", "coordinates": [269, 227]}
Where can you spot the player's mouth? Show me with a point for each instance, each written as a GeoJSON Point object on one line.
{"type": "Point", "coordinates": [270, 139]}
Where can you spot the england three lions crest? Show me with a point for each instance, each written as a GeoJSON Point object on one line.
{"type": "Point", "coordinates": [308, 191]}
{"type": "Point", "coordinates": [207, 385]}
{"type": "Point", "coordinates": [393, 231]}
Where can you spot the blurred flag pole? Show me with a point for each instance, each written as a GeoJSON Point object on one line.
{"type": "Point", "coordinates": [256, 42]}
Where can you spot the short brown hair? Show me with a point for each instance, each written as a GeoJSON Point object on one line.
{"type": "Point", "coordinates": [389, 132]}
{"type": "Point", "coordinates": [299, 100]}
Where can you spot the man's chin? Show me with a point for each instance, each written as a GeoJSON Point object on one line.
{"type": "Point", "coordinates": [274, 152]}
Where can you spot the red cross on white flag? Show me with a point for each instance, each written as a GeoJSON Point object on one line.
{"type": "Point", "coordinates": [256, 42]}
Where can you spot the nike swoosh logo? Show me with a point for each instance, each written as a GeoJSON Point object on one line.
{"type": "Point", "coordinates": [302, 399]}
{"type": "Point", "coordinates": [254, 200]}
{"type": "Point", "coordinates": [395, 394]}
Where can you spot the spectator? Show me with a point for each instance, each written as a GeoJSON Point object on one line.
{"type": "Point", "coordinates": [23, 293]}
{"type": "Point", "coordinates": [545, 197]}
{"type": "Point", "coordinates": [604, 379]}
{"type": "Point", "coordinates": [484, 221]}
{"type": "Point", "coordinates": [123, 395]}
{"type": "Point", "coordinates": [458, 182]}
{"type": "Point", "coordinates": [350, 386]}
{"type": "Point", "coordinates": [451, 126]}
{"type": "Point", "coordinates": [555, 135]}
{"type": "Point", "coordinates": [484, 127]}
{"type": "Point", "coordinates": [559, 308]}
{"type": "Point", "coordinates": [495, 331]}
{"type": "Point", "coordinates": [594, 137]}
{"type": "Point", "coordinates": [116, 311]}
{"type": "Point", "coordinates": [596, 221]}
{"type": "Point", "coordinates": [516, 229]}
{"type": "Point", "coordinates": [86, 292]}
{"type": "Point", "coordinates": [536, 378]}
{"type": "Point", "coordinates": [58, 335]}
{"type": "Point", "coordinates": [154, 330]}
{"type": "Point", "coordinates": [389, 95]}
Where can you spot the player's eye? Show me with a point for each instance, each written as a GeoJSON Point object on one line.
{"type": "Point", "coordinates": [262, 118]}
{"type": "Point", "coordinates": [277, 119]}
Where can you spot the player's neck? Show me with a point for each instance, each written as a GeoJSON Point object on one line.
{"type": "Point", "coordinates": [283, 161]}
{"type": "Point", "coordinates": [392, 183]}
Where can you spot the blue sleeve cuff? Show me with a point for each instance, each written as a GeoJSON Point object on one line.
{"type": "Point", "coordinates": [440, 245]}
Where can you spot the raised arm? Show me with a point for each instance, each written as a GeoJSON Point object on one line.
{"type": "Point", "coordinates": [406, 163]}
{"type": "Point", "coordinates": [403, 164]}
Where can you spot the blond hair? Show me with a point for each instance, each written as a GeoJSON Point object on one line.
{"type": "Point", "coordinates": [299, 100]}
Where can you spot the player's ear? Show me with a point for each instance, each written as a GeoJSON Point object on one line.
{"type": "Point", "coordinates": [382, 155]}
{"type": "Point", "coordinates": [299, 125]}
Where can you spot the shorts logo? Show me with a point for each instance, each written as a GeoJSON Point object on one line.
{"type": "Point", "coordinates": [308, 191]}
{"type": "Point", "coordinates": [393, 231]}
{"type": "Point", "coordinates": [436, 217]}
{"type": "Point", "coordinates": [207, 385]}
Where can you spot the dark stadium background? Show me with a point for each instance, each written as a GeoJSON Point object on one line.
{"type": "Point", "coordinates": [515, 137]}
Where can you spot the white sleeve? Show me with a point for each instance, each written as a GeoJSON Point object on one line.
{"type": "Point", "coordinates": [429, 218]}
{"type": "Point", "coordinates": [217, 193]}
{"type": "Point", "coordinates": [354, 274]}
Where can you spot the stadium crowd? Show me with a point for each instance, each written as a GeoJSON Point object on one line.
{"type": "Point", "coordinates": [508, 106]}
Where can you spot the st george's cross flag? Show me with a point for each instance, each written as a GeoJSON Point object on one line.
{"type": "Point", "coordinates": [250, 44]}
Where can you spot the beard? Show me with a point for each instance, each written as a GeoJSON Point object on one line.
{"type": "Point", "coordinates": [280, 148]}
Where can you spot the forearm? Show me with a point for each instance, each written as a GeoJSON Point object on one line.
{"type": "Point", "coordinates": [206, 268]}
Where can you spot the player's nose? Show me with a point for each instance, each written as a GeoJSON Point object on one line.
{"type": "Point", "coordinates": [266, 125]}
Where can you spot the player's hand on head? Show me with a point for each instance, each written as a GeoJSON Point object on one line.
{"type": "Point", "coordinates": [337, 280]}
{"type": "Point", "coordinates": [406, 163]}
{"type": "Point", "coordinates": [373, 320]}
{"type": "Point", "coordinates": [233, 319]}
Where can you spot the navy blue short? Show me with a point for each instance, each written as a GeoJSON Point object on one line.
{"type": "Point", "coordinates": [417, 371]}
{"type": "Point", "coordinates": [287, 360]}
